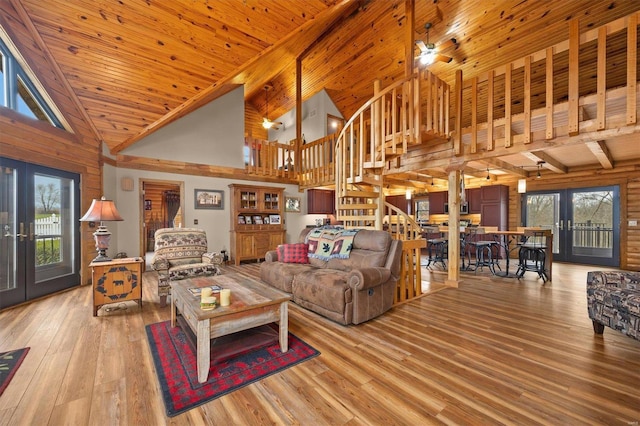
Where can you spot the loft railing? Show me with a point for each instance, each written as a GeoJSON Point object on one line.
{"type": "Point", "coordinates": [317, 160]}
{"type": "Point", "coordinates": [265, 158]}
{"type": "Point", "coordinates": [500, 111]}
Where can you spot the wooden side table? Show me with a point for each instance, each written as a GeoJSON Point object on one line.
{"type": "Point", "coordinates": [116, 281]}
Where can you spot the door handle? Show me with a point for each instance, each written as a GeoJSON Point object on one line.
{"type": "Point", "coordinates": [31, 231]}
{"type": "Point", "coordinates": [561, 225]}
{"type": "Point", "coordinates": [568, 225]}
{"type": "Point", "coordinates": [21, 234]}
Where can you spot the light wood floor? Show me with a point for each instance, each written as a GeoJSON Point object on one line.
{"type": "Point", "coordinates": [494, 351]}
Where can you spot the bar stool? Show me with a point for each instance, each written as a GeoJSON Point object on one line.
{"type": "Point", "coordinates": [437, 252]}
{"type": "Point", "coordinates": [483, 250]}
{"type": "Point", "coordinates": [532, 254]}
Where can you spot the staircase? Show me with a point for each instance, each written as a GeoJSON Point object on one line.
{"type": "Point", "coordinates": [383, 129]}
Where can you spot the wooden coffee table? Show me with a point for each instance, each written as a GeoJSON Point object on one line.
{"type": "Point", "coordinates": [252, 304]}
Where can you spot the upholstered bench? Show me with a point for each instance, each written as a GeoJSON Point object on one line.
{"type": "Point", "coordinates": [613, 299]}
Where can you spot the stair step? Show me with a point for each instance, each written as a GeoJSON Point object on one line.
{"type": "Point", "coordinates": [361, 194]}
{"type": "Point", "coordinates": [357, 206]}
{"type": "Point", "coordinates": [373, 164]}
{"type": "Point", "coordinates": [359, 218]}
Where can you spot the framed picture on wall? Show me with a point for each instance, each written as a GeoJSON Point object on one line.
{"type": "Point", "coordinates": [147, 204]}
{"type": "Point", "coordinates": [208, 199]}
{"type": "Point", "coordinates": [292, 204]}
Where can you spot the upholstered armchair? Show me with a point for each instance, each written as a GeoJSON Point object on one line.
{"type": "Point", "coordinates": [613, 300]}
{"type": "Point", "coordinates": [181, 253]}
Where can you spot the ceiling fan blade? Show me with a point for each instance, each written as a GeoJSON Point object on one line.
{"type": "Point", "coordinates": [421, 45]}
{"type": "Point", "coordinates": [443, 58]}
{"type": "Point", "coordinates": [447, 44]}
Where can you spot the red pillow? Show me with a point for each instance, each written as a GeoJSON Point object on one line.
{"type": "Point", "coordinates": [293, 253]}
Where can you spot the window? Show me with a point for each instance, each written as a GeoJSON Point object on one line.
{"type": "Point", "coordinates": [18, 92]}
{"type": "Point", "coordinates": [422, 211]}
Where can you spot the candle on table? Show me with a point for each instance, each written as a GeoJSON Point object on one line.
{"type": "Point", "coordinates": [206, 292]}
{"type": "Point", "coordinates": [225, 297]}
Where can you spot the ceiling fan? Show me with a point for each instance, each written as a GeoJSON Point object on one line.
{"type": "Point", "coordinates": [430, 53]}
{"type": "Point", "coordinates": [266, 123]}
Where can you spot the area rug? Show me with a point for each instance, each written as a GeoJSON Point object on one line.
{"type": "Point", "coordinates": [236, 362]}
{"type": "Point", "coordinates": [9, 363]}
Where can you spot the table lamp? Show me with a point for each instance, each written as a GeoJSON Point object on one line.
{"type": "Point", "coordinates": [102, 210]}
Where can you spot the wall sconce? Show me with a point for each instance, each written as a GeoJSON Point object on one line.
{"type": "Point", "coordinates": [522, 186]}
{"type": "Point", "coordinates": [407, 194]}
{"type": "Point", "coordinates": [102, 210]}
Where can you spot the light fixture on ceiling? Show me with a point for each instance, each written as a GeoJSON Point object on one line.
{"type": "Point", "coordinates": [429, 53]}
{"type": "Point", "coordinates": [488, 175]}
{"type": "Point", "coordinates": [540, 163]}
{"type": "Point", "coordinates": [102, 210]}
{"type": "Point", "coordinates": [266, 123]}
{"type": "Point", "coordinates": [407, 194]}
{"type": "Point", "coordinates": [431, 180]}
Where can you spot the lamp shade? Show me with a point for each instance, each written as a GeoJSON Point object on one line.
{"type": "Point", "coordinates": [102, 210]}
{"type": "Point", "coordinates": [522, 186]}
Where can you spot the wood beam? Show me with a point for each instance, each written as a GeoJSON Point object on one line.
{"type": "Point", "coordinates": [549, 162]}
{"type": "Point", "coordinates": [600, 150]}
{"type": "Point", "coordinates": [504, 166]}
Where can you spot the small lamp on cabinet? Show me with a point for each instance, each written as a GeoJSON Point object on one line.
{"type": "Point", "coordinates": [102, 210]}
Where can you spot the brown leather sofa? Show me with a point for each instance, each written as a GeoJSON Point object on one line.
{"type": "Point", "coordinates": [348, 291]}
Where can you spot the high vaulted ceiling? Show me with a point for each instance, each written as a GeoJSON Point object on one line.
{"type": "Point", "coordinates": [136, 65]}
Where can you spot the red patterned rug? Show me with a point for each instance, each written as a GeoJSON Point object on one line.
{"type": "Point", "coordinates": [236, 361]}
{"type": "Point", "coordinates": [9, 363]}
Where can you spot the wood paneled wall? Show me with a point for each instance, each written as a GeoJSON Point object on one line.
{"type": "Point", "coordinates": [38, 142]}
{"type": "Point", "coordinates": [628, 179]}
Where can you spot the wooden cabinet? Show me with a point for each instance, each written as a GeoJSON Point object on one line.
{"type": "Point", "coordinates": [399, 201]}
{"type": "Point", "coordinates": [474, 199]}
{"type": "Point", "coordinates": [257, 221]}
{"type": "Point", "coordinates": [320, 201]}
{"type": "Point", "coordinates": [116, 281]}
{"type": "Point", "coordinates": [437, 200]}
{"type": "Point", "coordinates": [495, 206]}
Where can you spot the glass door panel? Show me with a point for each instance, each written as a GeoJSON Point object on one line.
{"type": "Point", "coordinates": [582, 220]}
{"type": "Point", "coordinates": [543, 211]}
{"type": "Point", "coordinates": [592, 214]}
{"type": "Point", "coordinates": [12, 271]}
{"type": "Point", "coordinates": [40, 241]}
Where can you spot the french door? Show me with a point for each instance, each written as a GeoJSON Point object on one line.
{"type": "Point", "coordinates": [585, 223]}
{"type": "Point", "coordinates": [39, 235]}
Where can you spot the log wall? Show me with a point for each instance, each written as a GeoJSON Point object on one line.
{"type": "Point", "coordinates": [37, 142]}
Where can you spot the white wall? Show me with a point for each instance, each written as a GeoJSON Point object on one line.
{"type": "Point", "coordinates": [216, 223]}
{"type": "Point", "coordinates": [314, 119]}
{"type": "Point", "coordinates": [212, 134]}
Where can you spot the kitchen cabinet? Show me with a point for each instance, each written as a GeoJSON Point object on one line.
{"type": "Point", "coordinates": [399, 201]}
{"type": "Point", "coordinates": [474, 199]}
{"type": "Point", "coordinates": [320, 201]}
{"type": "Point", "coordinates": [495, 206]}
{"type": "Point", "coordinates": [437, 200]}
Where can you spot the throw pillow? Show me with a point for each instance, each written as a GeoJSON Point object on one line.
{"type": "Point", "coordinates": [293, 253]}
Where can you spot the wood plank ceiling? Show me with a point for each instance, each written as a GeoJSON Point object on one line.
{"type": "Point", "coordinates": [136, 65]}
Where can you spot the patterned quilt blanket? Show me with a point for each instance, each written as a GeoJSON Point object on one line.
{"type": "Point", "coordinates": [328, 244]}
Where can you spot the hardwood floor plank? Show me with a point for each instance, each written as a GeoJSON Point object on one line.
{"type": "Point", "coordinates": [493, 351]}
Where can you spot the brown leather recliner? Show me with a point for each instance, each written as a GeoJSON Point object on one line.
{"type": "Point", "coordinates": [348, 291]}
